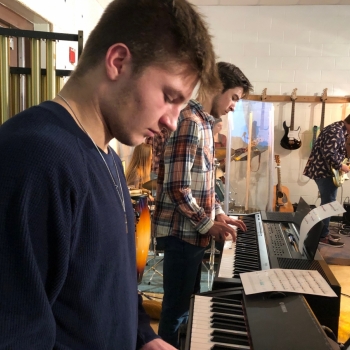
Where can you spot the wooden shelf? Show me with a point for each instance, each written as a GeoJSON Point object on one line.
{"type": "Point", "coordinates": [307, 99]}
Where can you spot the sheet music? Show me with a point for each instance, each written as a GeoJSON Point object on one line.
{"type": "Point", "coordinates": [286, 280]}
{"type": "Point", "coordinates": [316, 215]}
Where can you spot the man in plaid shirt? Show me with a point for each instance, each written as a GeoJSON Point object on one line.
{"type": "Point", "coordinates": [187, 214]}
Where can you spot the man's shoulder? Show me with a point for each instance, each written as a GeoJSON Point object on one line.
{"type": "Point", "coordinates": [38, 133]}
{"type": "Point", "coordinates": [193, 112]}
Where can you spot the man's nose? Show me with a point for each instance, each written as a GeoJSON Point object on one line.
{"type": "Point", "coordinates": [170, 119]}
{"type": "Point", "coordinates": [233, 105]}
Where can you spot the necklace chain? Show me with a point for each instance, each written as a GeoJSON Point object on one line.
{"type": "Point", "coordinates": [119, 188]}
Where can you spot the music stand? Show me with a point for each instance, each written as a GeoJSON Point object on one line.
{"type": "Point", "coordinates": [212, 250]}
{"type": "Point", "coordinates": [155, 263]}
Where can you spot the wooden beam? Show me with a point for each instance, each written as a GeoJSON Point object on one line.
{"type": "Point", "coordinates": [307, 99]}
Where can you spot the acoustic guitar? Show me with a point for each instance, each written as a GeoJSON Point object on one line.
{"type": "Point", "coordinates": [281, 199]}
{"type": "Point", "coordinates": [316, 130]}
{"type": "Point", "coordinates": [291, 139]}
{"type": "Point", "coordinates": [339, 177]}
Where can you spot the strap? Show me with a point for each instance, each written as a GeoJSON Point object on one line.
{"type": "Point", "coordinates": [259, 153]}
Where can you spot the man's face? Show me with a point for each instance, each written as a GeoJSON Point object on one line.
{"type": "Point", "coordinates": [226, 102]}
{"type": "Point", "coordinates": [139, 107]}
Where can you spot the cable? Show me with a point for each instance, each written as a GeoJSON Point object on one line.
{"type": "Point", "coordinates": [345, 295]}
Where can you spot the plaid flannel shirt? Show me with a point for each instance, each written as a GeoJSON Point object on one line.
{"type": "Point", "coordinates": [185, 204]}
{"type": "Point", "coordinates": [157, 142]}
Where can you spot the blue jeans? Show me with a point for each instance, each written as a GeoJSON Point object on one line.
{"type": "Point", "coordinates": [182, 275]}
{"type": "Point", "coordinates": [328, 192]}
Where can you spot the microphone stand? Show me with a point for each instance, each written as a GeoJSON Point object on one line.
{"type": "Point", "coordinates": [211, 271]}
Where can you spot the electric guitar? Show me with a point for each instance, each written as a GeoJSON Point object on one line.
{"type": "Point", "coordinates": [281, 199]}
{"type": "Point", "coordinates": [316, 130]}
{"type": "Point", "coordinates": [291, 139]}
{"type": "Point", "coordinates": [338, 176]}
{"type": "Point", "coordinates": [241, 154]}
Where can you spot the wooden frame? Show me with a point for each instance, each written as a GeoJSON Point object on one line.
{"type": "Point", "coordinates": [287, 98]}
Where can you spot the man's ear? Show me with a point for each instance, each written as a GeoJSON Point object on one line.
{"type": "Point", "coordinates": [117, 57]}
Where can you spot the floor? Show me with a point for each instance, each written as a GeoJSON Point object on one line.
{"type": "Point", "coordinates": [342, 274]}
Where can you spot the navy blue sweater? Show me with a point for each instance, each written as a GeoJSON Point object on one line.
{"type": "Point", "coordinates": [67, 264]}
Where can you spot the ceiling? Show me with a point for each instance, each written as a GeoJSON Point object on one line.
{"type": "Point", "coordinates": [104, 3]}
{"type": "Point", "coordinates": [267, 2]}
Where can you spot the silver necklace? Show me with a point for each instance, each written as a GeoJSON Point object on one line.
{"type": "Point", "coordinates": [118, 188]}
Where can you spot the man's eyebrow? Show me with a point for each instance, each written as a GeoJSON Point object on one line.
{"type": "Point", "coordinates": [237, 97]}
{"type": "Point", "coordinates": [177, 94]}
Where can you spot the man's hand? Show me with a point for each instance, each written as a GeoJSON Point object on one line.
{"type": "Point", "coordinates": [344, 168]}
{"type": "Point", "coordinates": [220, 231]}
{"type": "Point", "coordinates": [157, 344]}
{"type": "Point", "coordinates": [229, 220]}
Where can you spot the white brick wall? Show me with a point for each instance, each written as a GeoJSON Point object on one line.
{"type": "Point", "coordinates": [279, 47]}
{"type": "Point", "coordinates": [287, 47]}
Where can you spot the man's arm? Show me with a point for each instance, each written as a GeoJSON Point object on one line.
{"type": "Point", "coordinates": [145, 333]}
{"type": "Point", "coordinates": [179, 157]}
{"type": "Point", "coordinates": [332, 141]}
{"type": "Point", "coordinates": [34, 249]}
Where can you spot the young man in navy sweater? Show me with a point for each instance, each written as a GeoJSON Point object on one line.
{"type": "Point", "coordinates": [67, 243]}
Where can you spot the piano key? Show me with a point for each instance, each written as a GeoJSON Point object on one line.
{"type": "Point", "coordinates": [202, 327]}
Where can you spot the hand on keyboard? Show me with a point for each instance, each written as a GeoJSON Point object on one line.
{"type": "Point", "coordinates": [221, 230]}
{"type": "Point", "coordinates": [231, 221]}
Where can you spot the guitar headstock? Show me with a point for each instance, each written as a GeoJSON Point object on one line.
{"type": "Point", "coordinates": [293, 96]}
{"type": "Point", "coordinates": [263, 95]}
{"type": "Point", "coordinates": [324, 95]}
{"type": "Point", "coordinates": [277, 159]}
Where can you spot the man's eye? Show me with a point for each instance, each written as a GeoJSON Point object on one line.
{"type": "Point", "coordinates": [167, 98]}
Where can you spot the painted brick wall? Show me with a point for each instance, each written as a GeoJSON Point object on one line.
{"type": "Point", "coordinates": [69, 16]}
{"type": "Point", "coordinates": [285, 47]}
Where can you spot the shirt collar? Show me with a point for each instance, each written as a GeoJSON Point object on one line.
{"type": "Point", "coordinates": [194, 104]}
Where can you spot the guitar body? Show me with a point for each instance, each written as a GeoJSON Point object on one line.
{"type": "Point", "coordinates": [241, 154]}
{"type": "Point", "coordinates": [338, 176]}
{"type": "Point", "coordinates": [281, 200]}
{"type": "Point", "coordinates": [291, 139]}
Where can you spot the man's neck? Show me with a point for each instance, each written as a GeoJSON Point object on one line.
{"type": "Point", "coordinates": [85, 113]}
{"type": "Point", "coordinates": [207, 103]}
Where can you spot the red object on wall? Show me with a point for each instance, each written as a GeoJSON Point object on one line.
{"type": "Point", "coordinates": [71, 55]}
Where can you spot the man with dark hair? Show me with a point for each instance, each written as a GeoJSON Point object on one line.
{"type": "Point", "coordinates": [67, 243]}
{"type": "Point", "coordinates": [187, 214]}
{"type": "Point", "coordinates": [329, 151]}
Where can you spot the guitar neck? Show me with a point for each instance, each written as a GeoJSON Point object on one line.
{"type": "Point", "coordinates": [292, 116]}
{"type": "Point", "coordinates": [322, 115]}
{"type": "Point", "coordinates": [279, 186]}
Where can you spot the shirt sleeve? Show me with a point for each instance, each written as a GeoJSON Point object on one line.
{"type": "Point", "coordinates": [34, 249]}
{"type": "Point", "coordinates": [145, 333]}
{"type": "Point", "coordinates": [333, 141]}
{"type": "Point", "coordinates": [179, 158]}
